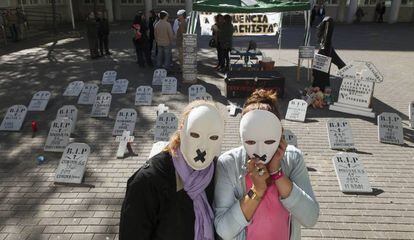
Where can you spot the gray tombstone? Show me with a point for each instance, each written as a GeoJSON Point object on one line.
{"type": "Point", "coordinates": [189, 67]}
{"type": "Point", "coordinates": [390, 129]}
{"type": "Point", "coordinates": [143, 96]}
{"type": "Point", "coordinates": [73, 89]}
{"type": "Point", "coordinates": [72, 164]}
{"type": "Point", "coordinates": [120, 86]}
{"type": "Point", "coordinates": [125, 121]}
{"type": "Point", "coordinates": [14, 118]}
{"type": "Point", "coordinates": [59, 135]}
{"type": "Point", "coordinates": [68, 111]}
{"type": "Point", "coordinates": [350, 173]}
{"type": "Point", "coordinates": [340, 134]}
{"type": "Point", "coordinates": [307, 52]}
{"type": "Point", "coordinates": [193, 90]}
{"type": "Point", "coordinates": [102, 105]}
{"type": "Point", "coordinates": [158, 77]}
{"type": "Point", "coordinates": [169, 86]}
{"type": "Point", "coordinates": [411, 114]}
{"type": "Point", "coordinates": [290, 137]}
{"type": "Point", "coordinates": [296, 110]}
{"type": "Point", "coordinates": [161, 108]}
{"type": "Point", "coordinates": [39, 101]}
{"type": "Point", "coordinates": [109, 77]}
{"type": "Point", "coordinates": [157, 148]}
{"type": "Point", "coordinates": [204, 96]}
{"type": "Point", "coordinates": [165, 126]}
{"type": "Point", "coordinates": [88, 94]}
{"type": "Point", "coordinates": [321, 63]}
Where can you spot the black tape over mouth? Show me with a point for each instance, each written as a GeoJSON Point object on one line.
{"type": "Point", "coordinates": [263, 158]}
{"type": "Point", "coordinates": [200, 156]}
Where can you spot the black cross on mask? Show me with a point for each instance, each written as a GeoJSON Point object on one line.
{"type": "Point", "coordinates": [263, 158]}
{"type": "Point", "coordinates": [200, 156]}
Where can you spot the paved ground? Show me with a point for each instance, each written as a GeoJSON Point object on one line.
{"type": "Point", "coordinates": [31, 207]}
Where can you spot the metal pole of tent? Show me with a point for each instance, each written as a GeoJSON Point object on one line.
{"type": "Point", "coordinates": [71, 14]}
{"type": "Point", "coordinates": [280, 35]}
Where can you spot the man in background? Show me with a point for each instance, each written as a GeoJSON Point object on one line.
{"type": "Point", "coordinates": [182, 28]}
{"type": "Point", "coordinates": [164, 37]}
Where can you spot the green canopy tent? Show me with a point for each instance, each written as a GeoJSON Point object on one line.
{"type": "Point", "coordinates": [257, 6]}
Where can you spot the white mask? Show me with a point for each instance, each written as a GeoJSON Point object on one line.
{"type": "Point", "coordinates": [260, 133]}
{"type": "Point", "coordinates": [201, 136]}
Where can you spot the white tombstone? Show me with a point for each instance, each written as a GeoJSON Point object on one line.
{"type": "Point", "coordinates": [39, 101]}
{"type": "Point", "coordinates": [157, 148]}
{"type": "Point", "coordinates": [73, 89]}
{"type": "Point", "coordinates": [109, 77]}
{"type": "Point", "coordinates": [356, 91]}
{"type": "Point", "coordinates": [296, 110]}
{"type": "Point", "coordinates": [161, 108]}
{"type": "Point", "coordinates": [190, 51]}
{"type": "Point", "coordinates": [321, 63]}
{"type": "Point", "coordinates": [59, 135]}
{"type": "Point", "coordinates": [351, 173]}
{"type": "Point", "coordinates": [290, 137]}
{"type": "Point", "coordinates": [68, 111]}
{"type": "Point", "coordinates": [72, 164]}
{"type": "Point", "coordinates": [120, 86]}
{"type": "Point", "coordinates": [158, 77]}
{"type": "Point", "coordinates": [411, 114]}
{"type": "Point", "coordinates": [102, 105]}
{"type": "Point", "coordinates": [88, 94]}
{"type": "Point", "coordinates": [193, 90]}
{"type": "Point", "coordinates": [125, 121]}
{"type": "Point", "coordinates": [204, 96]}
{"type": "Point", "coordinates": [165, 125]}
{"type": "Point", "coordinates": [14, 118]}
{"type": "Point", "coordinates": [143, 96]}
{"type": "Point", "coordinates": [340, 134]}
{"type": "Point", "coordinates": [306, 52]}
{"type": "Point", "coordinates": [169, 85]}
{"type": "Point", "coordinates": [123, 141]}
{"type": "Point", "coordinates": [390, 129]}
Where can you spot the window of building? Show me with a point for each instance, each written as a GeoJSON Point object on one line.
{"type": "Point", "coordinates": [29, 2]}
{"type": "Point", "coordinates": [171, 2]}
{"type": "Point", "coordinates": [132, 2]}
{"type": "Point", "coordinates": [407, 3]}
{"type": "Point", "coordinates": [90, 2]}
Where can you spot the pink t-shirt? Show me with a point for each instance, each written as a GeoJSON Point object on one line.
{"type": "Point", "coordinates": [270, 220]}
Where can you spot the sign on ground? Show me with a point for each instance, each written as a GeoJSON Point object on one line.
{"type": "Point", "coordinates": [169, 85]}
{"type": "Point", "coordinates": [193, 90]}
{"type": "Point", "coordinates": [39, 101]}
{"type": "Point", "coordinates": [158, 77]}
{"type": "Point", "coordinates": [72, 164]}
{"type": "Point", "coordinates": [296, 110]}
{"type": "Point", "coordinates": [125, 121]}
{"type": "Point", "coordinates": [68, 111]}
{"type": "Point", "coordinates": [120, 86]}
{"type": "Point", "coordinates": [73, 89]}
{"type": "Point", "coordinates": [14, 118]}
{"type": "Point", "coordinates": [340, 134]}
{"type": "Point", "coordinates": [390, 129]}
{"type": "Point", "coordinates": [59, 135]}
{"type": "Point", "coordinates": [88, 94]}
{"type": "Point", "coordinates": [109, 77]}
{"type": "Point", "coordinates": [102, 105]}
{"type": "Point", "coordinates": [143, 96]}
{"type": "Point", "coordinates": [165, 126]}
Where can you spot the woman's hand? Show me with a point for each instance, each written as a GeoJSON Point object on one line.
{"type": "Point", "coordinates": [275, 164]}
{"type": "Point", "coordinates": [259, 174]}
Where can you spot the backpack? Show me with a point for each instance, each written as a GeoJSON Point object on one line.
{"type": "Point", "coordinates": [136, 28]}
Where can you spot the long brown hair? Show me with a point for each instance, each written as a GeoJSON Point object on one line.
{"type": "Point", "coordinates": [264, 100]}
{"type": "Point", "coordinates": [175, 140]}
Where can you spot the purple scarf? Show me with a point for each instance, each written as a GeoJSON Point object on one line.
{"type": "Point", "coordinates": [194, 184]}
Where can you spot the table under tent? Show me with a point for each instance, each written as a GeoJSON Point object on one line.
{"type": "Point", "coordinates": [241, 83]}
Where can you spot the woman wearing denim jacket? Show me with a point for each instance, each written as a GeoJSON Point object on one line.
{"type": "Point", "coordinates": [257, 198]}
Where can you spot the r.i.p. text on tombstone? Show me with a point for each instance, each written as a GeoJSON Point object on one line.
{"type": "Point", "coordinates": [125, 121]}
{"type": "Point", "coordinates": [39, 101]}
{"type": "Point", "coordinates": [73, 89]}
{"type": "Point", "coordinates": [165, 126]}
{"type": "Point", "coordinates": [68, 111]}
{"type": "Point", "coordinates": [143, 96]}
{"type": "Point", "coordinates": [88, 94]}
{"type": "Point", "coordinates": [351, 174]}
{"type": "Point", "coordinates": [109, 77]}
{"type": "Point", "coordinates": [296, 110]}
{"type": "Point", "coordinates": [158, 76]}
{"type": "Point", "coordinates": [290, 137]}
{"type": "Point", "coordinates": [120, 86]}
{"type": "Point", "coordinates": [169, 86]}
{"type": "Point", "coordinates": [102, 105]}
{"type": "Point", "coordinates": [72, 164]}
{"type": "Point", "coordinates": [59, 135]}
{"type": "Point", "coordinates": [193, 90]}
{"type": "Point", "coordinates": [390, 129]}
{"type": "Point", "coordinates": [340, 134]}
{"type": "Point", "coordinates": [14, 118]}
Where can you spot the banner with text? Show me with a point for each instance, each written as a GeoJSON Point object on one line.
{"type": "Point", "coordinates": [245, 24]}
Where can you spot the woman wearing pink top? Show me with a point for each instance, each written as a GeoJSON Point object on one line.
{"type": "Point", "coordinates": [262, 188]}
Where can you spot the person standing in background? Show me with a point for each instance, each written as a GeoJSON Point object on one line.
{"type": "Point", "coordinates": [182, 28]}
{"type": "Point", "coordinates": [92, 34]}
{"type": "Point", "coordinates": [21, 23]}
{"type": "Point", "coordinates": [381, 13]}
{"type": "Point", "coordinates": [140, 39]}
{"type": "Point", "coordinates": [164, 37]}
{"type": "Point", "coordinates": [11, 18]}
{"type": "Point", "coordinates": [215, 31]}
{"type": "Point", "coordinates": [103, 33]}
{"type": "Point", "coordinates": [152, 21]}
{"type": "Point", "coordinates": [226, 43]}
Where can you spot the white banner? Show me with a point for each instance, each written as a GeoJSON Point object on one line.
{"type": "Point", "coordinates": [245, 24]}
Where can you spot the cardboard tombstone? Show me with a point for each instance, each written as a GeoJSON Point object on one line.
{"type": "Point", "coordinates": [125, 121]}
{"type": "Point", "coordinates": [296, 110]}
{"type": "Point", "coordinates": [165, 126]}
{"type": "Point", "coordinates": [390, 129]}
{"type": "Point", "coordinates": [158, 77]}
{"type": "Point", "coordinates": [14, 118]}
{"type": "Point", "coordinates": [71, 168]}
{"type": "Point", "coordinates": [204, 96]}
{"type": "Point", "coordinates": [88, 94]}
{"type": "Point", "coordinates": [109, 77]}
{"type": "Point", "coordinates": [340, 134]}
{"type": "Point", "coordinates": [169, 86]}
{"type": "Point", "coordinates": [411, 114]}
{"type": "Point", "coordinates": [161, 108]}
{"type": "Point", "coordinates": [123, 143]}
{"type": "Point", "coordinates": [193, 90]}
{"type": "Point", "coordinates": [39, 101]}
{"type": "Point", "coordinates": [68, 111]}
{"type": "Point", "coordinates": [120, 86]}
{"type": "Point", "coordinates": [102, 105]}
{"type": "Point", "coordinates": [350, 173]}
{"type": "Point", "coordinates": [143, 96]}
{"type": "Point", "coordinates": [73, 89]}
{"type": "Point", "coordinates": [59, 135]}
{"type": "Point", "coordinates": [290, 137]}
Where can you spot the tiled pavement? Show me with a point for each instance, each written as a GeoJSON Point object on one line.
{"type": "Point", "coordinates": [31, 207]}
